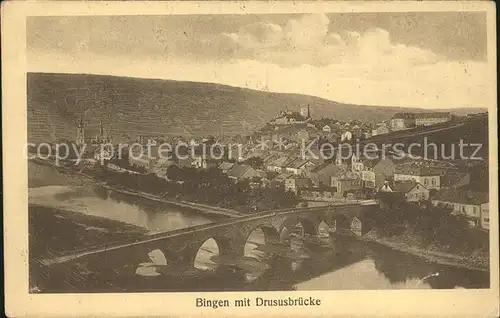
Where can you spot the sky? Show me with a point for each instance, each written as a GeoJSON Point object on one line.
{"type": "Point", "coordinates": [414, 59]}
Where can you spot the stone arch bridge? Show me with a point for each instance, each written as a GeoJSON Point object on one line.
{"type": "Point", "coordinates": [180, 247]}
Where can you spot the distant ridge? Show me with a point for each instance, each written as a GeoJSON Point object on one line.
{"type": "Point", "coordinates": [133, 106]}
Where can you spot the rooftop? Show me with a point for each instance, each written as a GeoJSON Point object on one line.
{"type": "Point", "coordinates": [418, 170]}
{"type": "Point", "coordinates": [226, 165]}
{"type": "Point", "coordinates": [279, 162]}
{"type": "Point", "coordinates": [238, 170]}
{"type": "Point", "coordinates": [460, 196]}
{"type": "Point", "coordinates": [282, 176]}
{"type": "Point", "coordinates": [331, 168]}
{"type": "Point", "coordinates": [297, 163]}
{"type": "Point", "coordinates": [421, 115]}
{"type": "Point", "coordinates": [301, 182]}
{"type": "Point", "coordinates": [404, 186]}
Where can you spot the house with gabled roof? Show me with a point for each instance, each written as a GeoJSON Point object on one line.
{"type": "Point", "coordinates": [268, 158]}
{"type": "Point", "coordinates": [346, 135]}
{"type": "Point", "coordinates": [380, 130]}
{"type": "Point", "coordinates": [346, 182]}
{"type": "Point", "coordinates": [240, 172]}
{"type": "Point", "coordinates": [299, 166]}
{"type": "Point", "coordinates": [277, 164]}
{"type": "Point", "coordinates": [295, 184]}
{"type": "Point", "coordinates": [280, 179]}
{"type": "Point", "coordinates": [226, 166]}
{"type": "Point", "coordinates": [321, 175]}
{"type": "Point", "coordinates": [376, 171]}
{"type": "Point", "coordinates": [474, 205]}
{"type": "Point", "coordinates": [427, 175]}
{"type": "Point", "coordinates": [411, 190]}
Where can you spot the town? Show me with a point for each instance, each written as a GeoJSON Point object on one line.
{"type": "Point", "coordinates": [261, 151]}
{"type": "Point", "coordinates": [305, 180]}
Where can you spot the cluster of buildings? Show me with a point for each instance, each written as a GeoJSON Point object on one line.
{"type": "Point", "coordinates": [93, 139]}
{"type": "Point", "coordinates": [357, 178]}
{"type": "Point", "coordinates": [406, 120]}
{"type": "Point", "coordinates": [402, 121]}
{"type": "Point", "coordinates": [289, 117]}
{"type": "Point", "coordinates": [87, 136]}
{"type": "Point", "coordinates": [281, 163]}
{"type": "Point", "coordinates": [299, 126]}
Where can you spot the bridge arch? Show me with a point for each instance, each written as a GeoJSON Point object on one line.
{"type": "Point", "coordinates": [270, 232]}
{"type": "Point", "coordinates": [284, 234]}
{"type": "Point", "coordinates": [202, 254]}
{"type": "Point", "coordinates": [342, 221]}
{"type": "Point", "coordinates": [263, 234]}
{"type": "Point", "coordinates": [156, 260]}
{"type": "Point", "coordinates": [291, 224]}
{"type": "Point", "coordinates": [323, 228]}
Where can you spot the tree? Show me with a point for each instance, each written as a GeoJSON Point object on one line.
{"type": "Point", "coordinates": [174, 173]}
{"type": "Point", "coordinates": [255, 162]}
{"type": "Point", "coordinates": [256, 179]}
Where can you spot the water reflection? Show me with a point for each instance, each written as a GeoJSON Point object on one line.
{"type": "Point", "coordinates": [98, 201]}
{"type": "Point", "coordinates": [256, 255]}
{"type": "Point", "coordinates": [204, 257]}
{"type": "Point", "coordinates": [346, 265]}
{"type": "Point", "coordinates": [147, 269]}
{"type": "Point", "coordinates": [296, 261]}
{"type": "Point", "coordinates": [256, 239]}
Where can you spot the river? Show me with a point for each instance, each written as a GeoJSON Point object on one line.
{"type": "Point", "coordinates": [338, 263]}
{"type": "Point", "coordinates": [54, 189]}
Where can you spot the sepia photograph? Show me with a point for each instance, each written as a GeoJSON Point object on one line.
{"type": "Point", "coordinates": [264, 150]}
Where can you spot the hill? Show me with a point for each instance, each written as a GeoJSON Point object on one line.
{"type": "Point", "coordinates": [133, 106]}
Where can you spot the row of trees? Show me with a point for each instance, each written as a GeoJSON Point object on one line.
{"type": "Point", "coordinates": [214, 187]}
{"type": "Point", "coordinates": [430, 224]}
{"type": "Point", "coordinates": [123, 162]}
{"type": "Point", "coordinates": [203, 186]}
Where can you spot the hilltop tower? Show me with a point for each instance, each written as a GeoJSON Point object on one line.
{"type": "Point", "coordinates": [80, 133]}
{"type": "Point", "coordinates": [305, 112]}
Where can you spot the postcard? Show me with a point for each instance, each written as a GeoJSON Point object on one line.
{"type": "Point", "coordinates": [250, 158]}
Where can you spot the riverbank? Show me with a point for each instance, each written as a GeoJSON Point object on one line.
{"type": "Point", "coordinates": [202, 208]}
{"type": "Point", "coordinates": [183, 204]}
{"type": "Point", "coordinates": [54, 231]}
{"type": "Point", "coordinates": [475, 261]}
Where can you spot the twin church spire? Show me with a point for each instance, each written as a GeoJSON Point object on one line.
{"type": "Point", "coordinates": [101, 137]}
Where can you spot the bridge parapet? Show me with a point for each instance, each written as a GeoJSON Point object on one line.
{"type": "Point", "coordinates": [230, 235]}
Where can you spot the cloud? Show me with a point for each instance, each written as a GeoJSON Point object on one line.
{"type": "Point", "coordinates": [260, 35]}
{"type": "Point", "coordinates": [306, 32]}
{"type": "Point", "coordinates": [303, 55]}
{"type": "Point", "coordinates": [308, 40]}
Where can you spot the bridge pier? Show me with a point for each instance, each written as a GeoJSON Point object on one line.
{"type": "Point", "coordinates": [227, 248]}
{"type": "Point", "coordinates": [181, 247]}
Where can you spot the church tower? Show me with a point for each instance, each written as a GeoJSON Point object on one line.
{"type": "Point", "coordinates": [101, 129]}
{"type": "Point", "coordinates": [80, 133]}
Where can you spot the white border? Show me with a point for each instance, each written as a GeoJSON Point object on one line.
{"type": "Point", "coordinates": [475, 303]}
